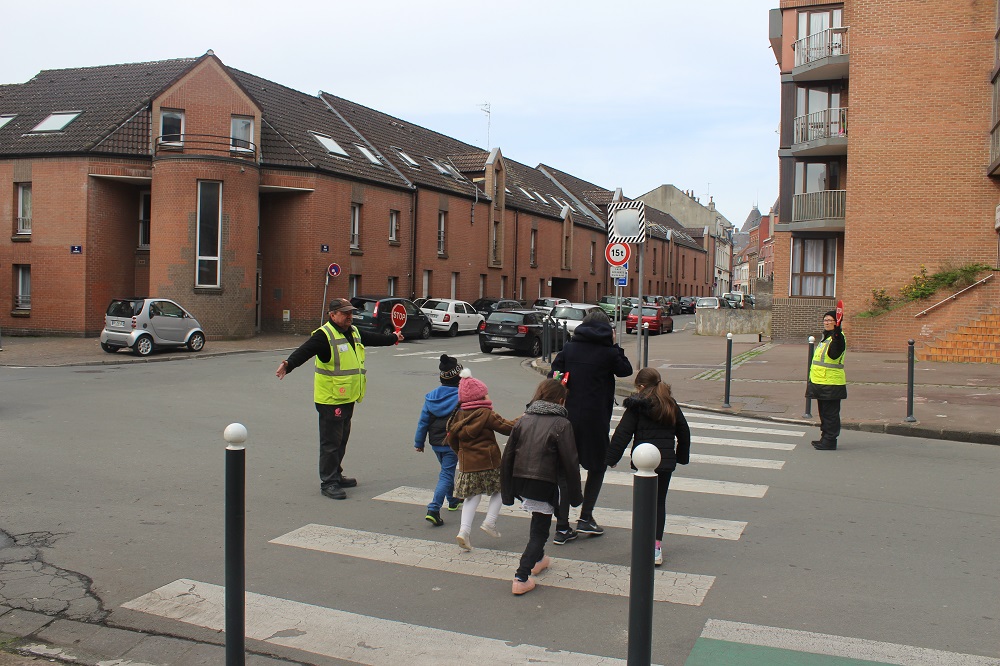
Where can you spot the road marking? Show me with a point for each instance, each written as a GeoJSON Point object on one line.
{"type": "Point", "coordinates": [690, 485]}
{"type": "Point", "coordinates": [419, 353]}
{"type": "Point", "coordinates": [711, 528]}
{"type": "Point", "coordinates": [744, 443]}
{"type": "Point", "coordinates": [341, 635]}
{"type": "Point", "coordinates": [759, 431]}
{"type": "Point", "coordinates": [762, 463]}
{"type": "Point", "coordinates": [824, 644]}
{"type": "Point", "coordinates": [486, 359]}
{"type": "Point", "coordinates": [581, 575]}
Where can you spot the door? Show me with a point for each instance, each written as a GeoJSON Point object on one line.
{"type": "Point", "coordinates": [168, 322]}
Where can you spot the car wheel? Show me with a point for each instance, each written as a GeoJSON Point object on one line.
{"type": "Point", "coordinates": [486, 349]}
{"type": "Point", "coordinates": [387, 330]}
{"type": "Point", "coordinates": [628, 331]}
{"type": "Point", "coordinates": [196, 342]}
{"type": "Point", "coordinates": [453, 331]}
{"type": "Point", "coordinates": [425, 332]}
{"type": "Point", "coordinates": [111, 349]}
{"type": "Point", "coordinates": [536, 348]}
{"type": "Point", "coordinates": [143, 346]}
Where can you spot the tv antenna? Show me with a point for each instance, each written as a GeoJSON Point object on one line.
{"type": "Point", "coordinates": [485, 107]}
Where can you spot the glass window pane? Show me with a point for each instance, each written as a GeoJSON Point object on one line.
{"type": "Point", "coordinates": [208, 271]}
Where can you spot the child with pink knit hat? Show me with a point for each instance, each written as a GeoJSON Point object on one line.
{"type": "Point", "coordinates": [472, 434]}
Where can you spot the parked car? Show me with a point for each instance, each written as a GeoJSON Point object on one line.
{"type": "Point", "coordinates": [485, 306]}
{"type": "Point", "coordinates": [738, 299]}
{"type": "Point", "coordinates": [419, 302]}
{"type": "Point", "coordinates": [657, 316]}
{"type": "Point", "coordinates": [612, 305]}
{"type": "Point", "coordinates": [571, 314]}
{"type": "Point", "coordinates": [546, 305]}
{"type": "Point", "coordinates": [375, 314]}
{"type": "Point", "coordinates": [450, 316]}
{"type": "Point", "coordinates": [751, 301]}
{"type": "Point", "coordinates": [708, 303]}
{"type": "Point", "coordinates": [687, 304]}
{"type": "Point", "coordinates": [520, 330]}
{"type": "Point", "coordinates": [147, 323]}
{"type": "Point", "coordinates": [673, 305]}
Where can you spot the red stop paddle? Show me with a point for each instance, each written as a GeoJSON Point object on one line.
{"type": "Point", "coordinates": [840, 312]}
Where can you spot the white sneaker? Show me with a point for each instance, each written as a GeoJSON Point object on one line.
{"type": "Point", "coordinates": [657, 556]}
{"type": "Point", "coordinates": [491, 530]}
{"type": "Point", "coordinates": [463, 540]}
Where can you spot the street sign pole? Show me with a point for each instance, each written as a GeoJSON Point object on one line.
{"type": "Point", "coordinates": [638, 324]}
{"type": "Point", "coordinates": [323, 316]}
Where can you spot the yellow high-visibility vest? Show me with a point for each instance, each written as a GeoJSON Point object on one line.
{"type": "Point", "coordinates": [342, 380]}
{"type": "Point", "coordinates": [826, 370]}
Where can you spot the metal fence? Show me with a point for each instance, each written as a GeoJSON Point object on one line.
{"type": "Point", "coordinates": [828, 204]}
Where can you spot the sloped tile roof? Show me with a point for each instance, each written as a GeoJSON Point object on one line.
{"type": "Point", "coordinates": [470, 162]}
{"type": "Point", "coordinates": [106, 97]}
{"type": "Point", "coordinates": [581, 191]}
{"type": "Point", "coordinates": [543, 196]}
{"type": "Point", "coordinates": [661, 222]}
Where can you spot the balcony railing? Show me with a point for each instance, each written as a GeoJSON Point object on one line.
{"type": "Point", "coordinates": [441, 245]}
{"type": "Point", "coordinates": [205, 144]}
{"type": "Point", "coordinates": [825, 205]}
{"type": "Point", "coordinates": [824, 44]}
{"type": "Point", "coordinates": [355, 241]}
{"type": "Point", "coordinates": [22, 302]}
{"type": "Point", "coordinates": [24, 225]}
{"type": "Point", "coordinates": [825, 124]}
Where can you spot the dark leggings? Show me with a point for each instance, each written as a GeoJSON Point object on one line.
{"type": "Point", "coordinates": [591, 489]}
{"type": "Point", "coordinates": [662, 485]}
{"type": "Point", "coordinates": [535, 550]}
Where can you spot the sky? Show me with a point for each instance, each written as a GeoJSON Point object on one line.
{"type": "Point", "coordinates": [631, 94]}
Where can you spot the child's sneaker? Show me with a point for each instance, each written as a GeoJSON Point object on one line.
{"type": "Point", "coordinates": [562, 536]}
{"type": "Point", "coordinates": [463, 540]}
{"type": "Point", "coordinates": [434, 518]}
{"type": "Point", "coordinates": [658, 556]}
{"type": "Point", "coordinates": [522, 586]}
{"type": "Point", "coordinates": [541, 565]}
{"type": "Point", "coordinates": [589, 527]}
{"type": "Point", "coordinates": [455, 506]}
{"type": "Point", "coordinates": [491, 530]}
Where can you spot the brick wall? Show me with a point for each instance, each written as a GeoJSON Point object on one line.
{"type": "Point", "coordinates": [795, 319]}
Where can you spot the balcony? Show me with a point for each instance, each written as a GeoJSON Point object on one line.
{"type": "Point", "coordinates": [169, 145]}
{"type": "Point", "coordinates": [822, 56]}
{"type": "Point", "coordinates": [817, 211]}
{"type": "Point", "coordinates": [821, 133]}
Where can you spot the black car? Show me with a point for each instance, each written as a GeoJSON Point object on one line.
{"type": "Point", "coordinates": [486, 306]}
{"type": "Point", "coordinates": [520, 330]}
{"type": "Point", "coordinates": [687, 304]}
{"type": "Point", "coordinates": [375, 314]}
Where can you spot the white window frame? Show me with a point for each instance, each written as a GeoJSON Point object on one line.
{"type": "Point", "coordinates": [541, 198]}
{"type": "Point", "coordinates": [410, 162]}
{"type": "Point", "coordinates": [442, 229]}
{"type": "Point", "coordinates": [328, 143]}
{"type": "Point", "coordinates": [394, 225]}
{"type": "Point", "coordinates": [23, 220]}
{"type": "Point", "coordinates": [201, 256]}
{"type": "Point", "coordinates": [532, 253]}
{"type": "Point", "coordinates": [392, 285]}
{"type": "Point", "coordinates": [440, 168]}
{"type": "Point", "coordinates": [22, 300]}
{"type": "Point", "coordinates": [526, 193]}
{"type": "Point", "coordinates": [353, 285]}
{"type": "Point", "coordinates": [171, 113]}
{"type": "Point", "coordinates": [6, 118]}
{"type": "Point", "coordinates": [355, 226]}
{"type": "Point", "coordinates": [234, 140]}
{"type": "Point", "coordinates": [144, 223]}
{"type": "Point", "coordinates": [369, 154]}
{"type": "Point", "coordinates": [56, 121]}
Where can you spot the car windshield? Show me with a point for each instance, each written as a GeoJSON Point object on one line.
{"type": "Point", "coordinates": [364, 305]}
{"type": "Point", "coordinates": [482, 303]}
{"type": "Point", "coordinates": [708, 302]}
{"type": "Point", "coordinates": [506, 318]}
{"type": "Point", "coordinates": [646, 312]}
{"type": "Point", "coordinates": [609, 300]}
{"type": "Point", "coordinates": [573, 314]}
{"type": "Point", "coordinates": [125, 308]}
{"type": "Point", "coordinates": [436, 305]}
{"type": "Point", "coordinates": [544, 302]}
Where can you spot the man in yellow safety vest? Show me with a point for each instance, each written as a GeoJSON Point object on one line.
{"type": "Point", "coordinates": [827, 381]}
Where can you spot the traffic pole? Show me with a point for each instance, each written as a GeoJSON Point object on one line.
{"type": "Point", "coordinates": [809, 360]}
{"type": "Point", "coordinates": [909, 383]}
{"type": "Point", "coordinates": [235, 434]}
{"type": "Point", "coordinates": [729, 367]}
{"type": "Point", "coordinates": [645, 457]}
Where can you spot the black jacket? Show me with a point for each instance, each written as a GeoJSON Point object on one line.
{"type": "Point", "coordinates": [318, 345]}
{"type": "Point", "coordinates": [639, 427]}
{"type": "Point", "coordinates": [541, 447]}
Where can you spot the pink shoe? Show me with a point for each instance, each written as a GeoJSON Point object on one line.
{"type": "Point", "coordinates": [520, 588]}
{"type": "Point", "coordinates": [541, 565]}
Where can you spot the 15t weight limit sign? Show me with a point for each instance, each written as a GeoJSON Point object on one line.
{"type": "Point", "coordinates": [618, 254]}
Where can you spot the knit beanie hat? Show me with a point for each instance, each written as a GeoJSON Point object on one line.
{"type": "Point", "coordinates": [831, 313]}
{"type": "Point", "coordinates": [471, 389]}
{"type": "Point", "coordinates": [449, 367]}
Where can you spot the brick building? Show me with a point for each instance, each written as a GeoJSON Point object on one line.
{"type": "Point", "coordinates": [886, 162]}
{"type": "Point", "coordinates": [232, 194]}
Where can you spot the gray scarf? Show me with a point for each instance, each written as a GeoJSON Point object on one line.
{"type": "Point", "coordinates": [543, 407]}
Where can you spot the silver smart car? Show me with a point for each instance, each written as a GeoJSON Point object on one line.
{"type": "Point", "coordinates": [146, 323]}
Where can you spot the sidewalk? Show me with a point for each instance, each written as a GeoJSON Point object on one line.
{"type": "Point", "coordinates": [952, 401]}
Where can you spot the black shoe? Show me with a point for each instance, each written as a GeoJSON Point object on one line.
{"type": "Point", "coordinates": [348, 482]}
{"type": "Point", "coordinates": [562, 536]}
{"type": "Point", "coordinates": [816, 442]}
{"type": "Point", "coordinates": [819, 446]}
{"type": "Point", "coordinates": [456, 505]}
{"type": "Point", "coordinates": [589, 527]}
{"type": "Point", "coordinates": [434, 518]}
{"type": "Point", "coordinates": [334, 491]}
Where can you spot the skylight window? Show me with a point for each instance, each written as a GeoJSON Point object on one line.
{"type": "Point", "coordinates": [541, 198]}
{"type": "Point", "coordinates": [406, 158]}
{"type": "Point", "coordinates": [331, 146]}
{"type": "Point", "coordinates": [441, 169]}
{"type": "Point", "coordinates": [56, 121]}
{"type": "Point", "coordinates": [507, 191]}
{"type": "Point", "coordinates": [369, 154]}
{"type": "Point", "coordinates": [526, 193]}
{"type": "Point", "coordinates": [6, 119]}
{"type": "Point", "coordinates": [453, 171]}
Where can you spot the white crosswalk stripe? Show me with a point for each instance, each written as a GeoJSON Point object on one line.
{"type": "Point", "coordinates": [348, 636]}
{"type": "Point", "coordinates": [762, 463]}
{"type": "Point", "coordinates": [687, 484]}
{"type": "Point", "coordinates": [599, 577]}
{"type": "Point", "coordinates": [711, 528]}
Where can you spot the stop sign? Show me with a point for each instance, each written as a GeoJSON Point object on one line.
{"type": "Point", "coordinates": [398, 316]}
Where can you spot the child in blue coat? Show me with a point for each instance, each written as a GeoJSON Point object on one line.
{"type": "Point", "coordinates": [438, 406]}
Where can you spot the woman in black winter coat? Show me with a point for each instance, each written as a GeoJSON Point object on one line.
{"type": "Point", "coordinates": [652, 415]}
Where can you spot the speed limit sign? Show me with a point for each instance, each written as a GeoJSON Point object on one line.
{"type": "Point", "coordinates": [618, 254]}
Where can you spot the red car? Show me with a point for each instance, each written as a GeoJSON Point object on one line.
{"type": "Point", "coordinates": [656, 316]}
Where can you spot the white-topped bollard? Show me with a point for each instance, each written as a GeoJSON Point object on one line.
{"type": "Point", "coordinates": [235, 436]}
{"type": "Point", "coordinates": [646, 458]}
{"type": "Point", "coordinates": [729, 367]}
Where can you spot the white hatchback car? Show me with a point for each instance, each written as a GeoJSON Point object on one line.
{"type": "Point", "coordinates": [451, 316]}
{"type": "Point", "coordinates": [571, 314]}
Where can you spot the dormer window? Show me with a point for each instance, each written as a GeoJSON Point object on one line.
{"type": "Point", "coordinates": [241, 133]}
{"type": "Point", "coordinates": [172, 127]}
{"type": "Point", "coordinates": [410, 162]}
{"type": "Point", "coordinates": [332, 147]}
{"type": "Point", "coordinates": [56, 122]}
{"type": "Point", "coordinates": [369, 154]}
{"type": "Point", "coordinates": [6, 119]}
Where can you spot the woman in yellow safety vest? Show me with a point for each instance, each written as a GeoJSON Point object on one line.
{"type": "Point", "coordinates": [827, 381]}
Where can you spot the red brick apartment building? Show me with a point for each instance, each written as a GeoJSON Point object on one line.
{"type": "Point", "coordinates": [889, 157]}
{"type": "Point", "coordinates": [232, 194]}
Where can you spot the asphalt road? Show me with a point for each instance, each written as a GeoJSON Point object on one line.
{"type": "Point", "coordinates": [117, 474]}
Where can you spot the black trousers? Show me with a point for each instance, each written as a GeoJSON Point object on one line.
{"type": "Point", "coordinates": [662, 486]}
{"type": "Point", "coordinates": [829, 421]}
{"type": "Point", "coordinates": [535, 550]}
{"type": "Point", "coordinates": [334, 431]}
{"type": "Point", "coordinates": [591, 490]}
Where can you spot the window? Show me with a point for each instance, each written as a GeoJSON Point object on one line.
{"type": "Point", "coordinates": [353, 285]}
{"type": "Point", "coordinates": [172, 127]}
{"type": "Point", "coordinates": [814, 264]}
{"type": "Point", "coordinates": [22, 279]}
{"type": "Point", "coordinates": [541, 198]}
{"type": "Point", "coordinates": [526, 193]}
{"type": "Point", "coordinates": [496, 251]}
{"type": "Point", "coordinates": [331, 146]}
{"type": "Point", "coordinates": [145, 210]}
{"type": "Point", "coordinates": [391, 286]}
{"type": "Point", "coordinates": [442, 224]}
{"type": "Point", "coordinates": [522, 286]}
{"type": "Point", "coordinates": [355, 227]}
{"type": "Point", "coordinates": [241, 133]}
{"type": "Point", "coordinates": [532, 257]}
{"type": "Point", "coordinates": [394, 225]}
{"type": "Point", "coordinates": [369, 154]}
{"type": "Point", "coordinates": [593, 255]}
{"type": "Point", "coordinates": [209, 233]}
{"type": "Point", "coordinates": [4, 119]}
{"type": "Point", "coordinates": [654, 261]}
{"type": "Point", "coordinates": [56, 121]}
{"type": "Point", "coordinates": [24, 208]}
{"type": "Point", "coordinates": [410, 162]}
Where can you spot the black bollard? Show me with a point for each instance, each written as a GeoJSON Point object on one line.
{"type": "Point", "coordinates": [546, 343]}
{"type": "Point", "coordinates": [236, 435]}
{"type": "Point", "coordinates": [645, 457]}
{"type": "Point", "coordinates": [645, 346]}
{"type": "Point", "coordinates": [909, 383]}
{"type": "Point", "coordinates": [729, 367]}
{"type": "Point", "coordinates": [809, 360]}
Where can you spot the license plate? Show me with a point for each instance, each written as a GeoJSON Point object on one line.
{"type": "Point", "coordinates": [499, 339]}
{"type": "Point", "coordinates": [117, 324]}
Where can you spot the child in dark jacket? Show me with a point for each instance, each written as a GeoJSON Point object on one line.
{"type": "Point", "coordinates": [439, 404]}
{"type": "Point", "coordinates": [540, 450]}
{"type": "Point", "coordinates": [652, 415]}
